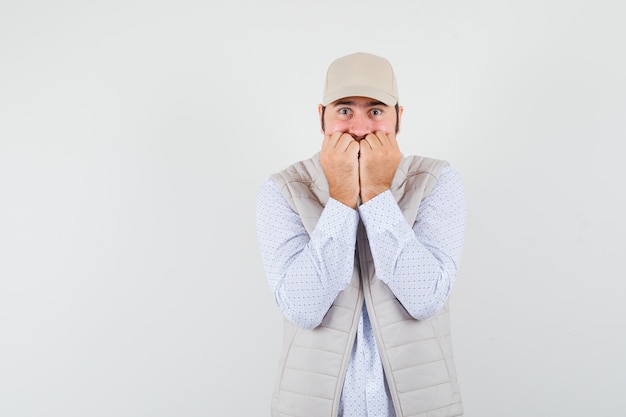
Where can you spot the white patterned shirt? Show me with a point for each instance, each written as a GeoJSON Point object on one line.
{"type": "Point", "coordinates": [419, 264]}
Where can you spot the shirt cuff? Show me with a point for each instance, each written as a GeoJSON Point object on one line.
{"type": "Point", "coordinates": [381, 213]}
{"type": "Point", "coordinates": [339, 221]}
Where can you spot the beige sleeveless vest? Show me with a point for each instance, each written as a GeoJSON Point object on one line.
{"type": "Point", "coordinates": [416, 354]}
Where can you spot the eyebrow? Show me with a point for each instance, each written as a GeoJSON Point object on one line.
{"type": "Point", "coordinates": [372, 103]}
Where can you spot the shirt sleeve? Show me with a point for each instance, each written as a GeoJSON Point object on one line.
{"type": "Point", "coordinates": [419, 263]}
{"type": "Point", "coordinates": [305, 273]}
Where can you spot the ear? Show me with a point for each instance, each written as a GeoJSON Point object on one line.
{"type": "Point", "coordinates": [400, 111]}
{"type": "Point", "coordinates": [319, 113]}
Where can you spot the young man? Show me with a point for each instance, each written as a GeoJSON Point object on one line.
{"type": "Point", "coordinates": [361, 247]}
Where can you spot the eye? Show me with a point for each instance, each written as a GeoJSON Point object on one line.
{"type": "Point", "coordinates": [344, 111]}
{"type": "Point", "coordinates": [376, 112]}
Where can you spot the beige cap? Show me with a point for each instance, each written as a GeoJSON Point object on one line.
{"type": "Point", "coordinates": [362, 75]}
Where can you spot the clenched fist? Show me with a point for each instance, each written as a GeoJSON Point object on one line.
{"type": "Point", "coordinates": [339, 158]}
{"type": "Point", "coordinates": [378, 162]}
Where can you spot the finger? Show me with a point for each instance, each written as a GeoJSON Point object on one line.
{"type": "Point", "coordinates": [354, 148]}
{"type": "Point", "coordinates": [373, 141]}
{"type": "Point", "coordinates": [345, 141]}
{"type": "Point", "coordinates": [330, 140]}
{"type": "Point", "coordinates": [326, 143]}
{"type": "Point", "coordinates": [388, 139]}
{"type": "Point", "coordinates": [392, 139]}
{"type": "Point", "coordinates": [382, 137]}
{"type": "Point", "coordinates": [366, 143]}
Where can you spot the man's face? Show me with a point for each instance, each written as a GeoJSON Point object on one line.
{"type": "Point", "coordinates": [359, 116]}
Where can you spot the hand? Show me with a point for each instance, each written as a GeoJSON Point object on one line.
{"type": "Point", "coordinates": [340, 161]}
{"type": "Point", "coordinates": [379, 160]}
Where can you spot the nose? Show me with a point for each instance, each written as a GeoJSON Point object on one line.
{"type": "Point", "coordinates": [360, 126]}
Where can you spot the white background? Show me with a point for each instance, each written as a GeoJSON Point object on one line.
{"type": "Point", "coordinates": [134, 136]}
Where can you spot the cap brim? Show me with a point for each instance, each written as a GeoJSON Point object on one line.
{"type": "Point", "coordinates": [359, 91]}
